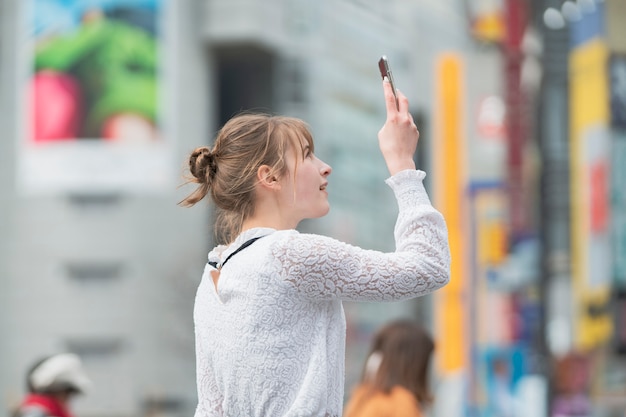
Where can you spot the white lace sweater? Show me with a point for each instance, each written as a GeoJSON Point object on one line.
{"type": "Point", "coordinates": [271, 340]}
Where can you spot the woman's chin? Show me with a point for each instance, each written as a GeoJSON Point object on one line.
{"type": "Point", "coordinates": [321, 212]}
{"type": "Point", "coordinates": [324, 212]}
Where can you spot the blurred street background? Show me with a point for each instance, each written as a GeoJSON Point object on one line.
{"type": "Point", "coordinates": [521, 105]}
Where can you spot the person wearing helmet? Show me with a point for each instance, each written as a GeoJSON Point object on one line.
{"type": "Point", "coordinates": [51, 383]}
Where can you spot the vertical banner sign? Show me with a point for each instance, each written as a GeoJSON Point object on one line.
{"type": "Point", "coordinates": [92, 97]}
{"type": "Point", "coordinates": [590, 174]}
{"type": "Point", "coordinates": [448, 157]}
{"type": "Point", "coordinates": [491, 242]}
{"type": "Point", "coordinates": [488, 324]}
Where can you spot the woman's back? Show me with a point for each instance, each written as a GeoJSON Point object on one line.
{"type": "Point", "coordinates": [279, 341]}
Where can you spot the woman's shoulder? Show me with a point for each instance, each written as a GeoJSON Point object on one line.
{"type": "Point", "coordinates": [400, 393]}
{"type": "Point", "coordinates": [302, 245]}
{"type": "Point", "coordinates": [278, 234]}
{"type": "Point", "coordinates": [294, 238]}
{"type": "Point", "coordinates": [366, 401]}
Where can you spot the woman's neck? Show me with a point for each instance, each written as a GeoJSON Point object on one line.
{"type": "Point", "coordinates": [272, 222]}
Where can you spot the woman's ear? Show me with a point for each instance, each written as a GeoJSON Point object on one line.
{"type": "Point", "coordinates": [267, 177]}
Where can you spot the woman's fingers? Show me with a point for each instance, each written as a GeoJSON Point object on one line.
{"type": "Point", "coordinates": [390, 99]}
{"type": "Point", "coordinates": [398, 137]}
{"type": "Point", "coordinates": [403, 103]}
{"type": "Point", "coordinates": [394, 105]}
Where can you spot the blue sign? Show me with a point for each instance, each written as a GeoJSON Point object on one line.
{"type": "Point", "coordinates": [588, 27]}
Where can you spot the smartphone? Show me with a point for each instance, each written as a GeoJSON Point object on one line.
{"type": "Point", "coordinates": [383, 66]}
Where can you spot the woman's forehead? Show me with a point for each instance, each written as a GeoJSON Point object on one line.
{"type": "Point", "coordinates": [300, 142]}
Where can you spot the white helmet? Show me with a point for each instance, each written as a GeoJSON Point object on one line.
{"type": "Point", "coordinates": [59, 373]}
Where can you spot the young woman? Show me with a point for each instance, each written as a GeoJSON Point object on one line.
{"type": "Point", "coordinates": [270, 326]}
{"type": "Point", "coordinates": [395, 377]}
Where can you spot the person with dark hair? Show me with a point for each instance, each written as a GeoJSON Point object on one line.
{"type": "Point", "coordinates": [52, 382]}
{"type": "Point", "coordinates": [269, 321]}
{"type": "Point", "coordinates": [395, 376]}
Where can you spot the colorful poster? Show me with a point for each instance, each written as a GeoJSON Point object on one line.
{"type": "Point", "coordinates": [590, 172]}
{"type": "Point", "coordinates": [93, 97]}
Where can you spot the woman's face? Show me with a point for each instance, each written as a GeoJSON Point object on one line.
{"type": "Point", "coordinates": [304, 187]}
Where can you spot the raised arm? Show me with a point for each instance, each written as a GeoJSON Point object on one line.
{"type": "Point", "coordinates": [319, 267]}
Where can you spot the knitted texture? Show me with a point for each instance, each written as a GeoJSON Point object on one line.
{"type": "Point", "coordinates": [270, 340]}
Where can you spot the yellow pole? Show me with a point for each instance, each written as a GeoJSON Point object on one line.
{"type": "Point", "coordinates": [449, 175]}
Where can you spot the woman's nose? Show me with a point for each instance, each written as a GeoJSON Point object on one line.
{"type": "Point", "coordinates": [326, 169]}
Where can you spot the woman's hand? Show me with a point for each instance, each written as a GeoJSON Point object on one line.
{"type": "Point", "coordinates": [398, 137]}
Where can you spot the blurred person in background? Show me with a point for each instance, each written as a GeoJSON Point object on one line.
{"type": "Point", "coordinates": [52, 383]}
{"type": "Point", "coordinates": [395, 376]}
{"type": "Point", "coordinates": [269, 322]}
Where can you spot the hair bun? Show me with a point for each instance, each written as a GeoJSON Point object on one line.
{"type": "Point", "coordinates": [202, 164]}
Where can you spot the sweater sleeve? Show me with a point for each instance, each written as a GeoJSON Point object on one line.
{"type": "Point", "coordinates": [320, 267]}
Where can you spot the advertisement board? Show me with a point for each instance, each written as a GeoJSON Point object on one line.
{"type": "Point", "coordinates": [590, 171]}
{"type": "Point", "coordinates": [92, 97]}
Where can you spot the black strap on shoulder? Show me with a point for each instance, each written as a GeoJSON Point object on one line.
{"type": "Point", "coordinates": [240, 248]}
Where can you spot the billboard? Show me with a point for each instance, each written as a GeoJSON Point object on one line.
{"type": "Point", "coordinates": [92, 97]}
{"type": "Point", "coordinates": [590, 167]}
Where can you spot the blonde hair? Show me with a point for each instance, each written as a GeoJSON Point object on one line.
{"type": "Point", "coordinates": [228, 171]}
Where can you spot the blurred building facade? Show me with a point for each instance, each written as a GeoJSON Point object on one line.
{"type": "Point", "coordinates": [96, 258]}
{"type": "Point", "coordinates": [584, 251]}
